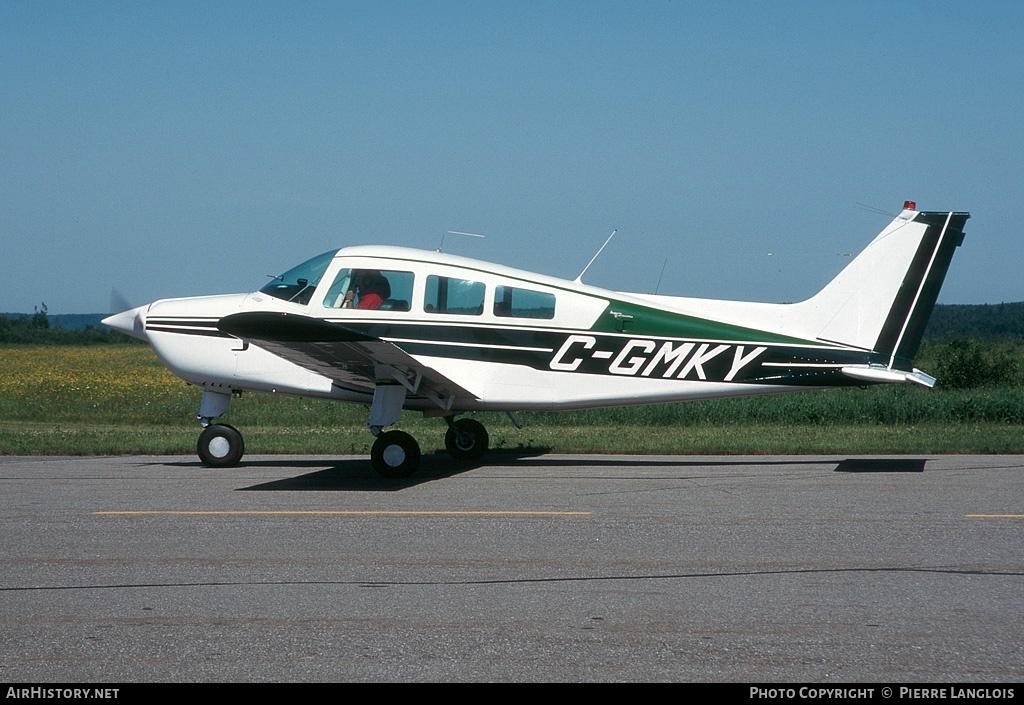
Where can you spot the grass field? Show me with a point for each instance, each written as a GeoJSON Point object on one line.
{"type": "Point", "coordinates": [119, 399]}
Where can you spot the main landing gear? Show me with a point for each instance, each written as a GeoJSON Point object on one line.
{"type": "Point", "coordinates": [466, 439]}
{"type": "Point", "coordinates": [396, 454]}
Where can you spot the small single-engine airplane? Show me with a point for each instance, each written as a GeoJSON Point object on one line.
{"type": "Point", "coordinates": [402, 329]}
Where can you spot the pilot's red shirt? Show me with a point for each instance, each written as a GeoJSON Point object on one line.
{"type": "Point", "coordinates": [370, 301]}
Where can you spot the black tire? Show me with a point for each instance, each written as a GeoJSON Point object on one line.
{"type": "Point", "coordinates": [466, 440]}
{"type": "Point", "coordinates": [395, 454]}
{"type": "Point", "coordinates": [220, 446]}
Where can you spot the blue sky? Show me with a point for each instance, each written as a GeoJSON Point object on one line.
{"type": "Point", "coordinates": [177, 148]}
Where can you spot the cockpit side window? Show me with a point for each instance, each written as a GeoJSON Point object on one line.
{"type": "Point", "coordinates": [370, 289]}
{"type": "Point", "coordinates": [297, 284]}
{"type": "Point", "coordinates": [458, 296]}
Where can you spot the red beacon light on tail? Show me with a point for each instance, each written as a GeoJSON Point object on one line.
{"type": "Point", "coordinates": [910, 205]}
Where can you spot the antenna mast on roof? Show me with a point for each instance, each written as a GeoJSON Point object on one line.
{"type": "Point", "coordinates": [456, 232]}
{"type": "Point", "coordinates": [579, 279]}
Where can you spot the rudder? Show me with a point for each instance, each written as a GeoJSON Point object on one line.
{"type": "Point", "coordinates": [904, 327]}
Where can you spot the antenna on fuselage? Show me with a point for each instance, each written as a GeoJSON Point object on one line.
{"type": "Point", "coordinates": [660, 276]}
{"type": "Point", "coordinates": [579, 279]}
{"type": "Point", "coordinates": [456, 232]}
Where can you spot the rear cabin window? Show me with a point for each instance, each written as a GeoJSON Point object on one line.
{"type": "Point", "coordinates": [513, 302]}
{"type": "Point", "coordinates": [371, 289]}
{"type": "Point", "coordinates": [455, 296]}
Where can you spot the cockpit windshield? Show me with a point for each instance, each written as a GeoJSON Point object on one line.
{"type": "Point", "coordinates": [297, 284]}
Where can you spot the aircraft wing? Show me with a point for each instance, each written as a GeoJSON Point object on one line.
{"type": "Point", "coordinates": [354, 360]}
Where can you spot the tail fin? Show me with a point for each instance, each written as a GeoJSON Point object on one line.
{"type": "Point", "coordinates": [882, 300]}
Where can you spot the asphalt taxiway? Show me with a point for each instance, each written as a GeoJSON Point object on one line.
{"type": "Point", "coordinates": [527, 568]}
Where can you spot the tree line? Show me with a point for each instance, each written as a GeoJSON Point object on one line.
{"type": "Point", "coordinates": [989, 322]}
{"type": "Point", "coordinates": [37, 329]}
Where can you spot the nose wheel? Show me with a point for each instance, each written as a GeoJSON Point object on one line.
{"type": "Point", "coordinates": [220, 446]}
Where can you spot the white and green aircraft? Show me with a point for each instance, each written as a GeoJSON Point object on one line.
{"type": "Point", "coordinates": [400, 328]}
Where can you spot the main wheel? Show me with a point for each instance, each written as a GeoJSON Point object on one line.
{"type": "Point", "coordinates": [220, 446]}
{"type": "Point", "coordinates": [466, 440]}
{"type": "Point", "coordinates": [395, 454]}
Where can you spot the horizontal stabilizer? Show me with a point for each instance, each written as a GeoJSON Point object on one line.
{"type": "Point", "coordinates": [882, 374]}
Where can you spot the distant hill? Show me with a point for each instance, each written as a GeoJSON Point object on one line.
{"type": "Point", "coordinates": [948, 322]}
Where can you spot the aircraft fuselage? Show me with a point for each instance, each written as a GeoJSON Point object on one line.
{"type": "Point", "coordinates": [407, 329]}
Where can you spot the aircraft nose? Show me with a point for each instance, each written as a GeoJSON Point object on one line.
{"type": "Point", "coordinates": [131, 322]}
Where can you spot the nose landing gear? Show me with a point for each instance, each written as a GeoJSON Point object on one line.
{"type": "Point", "coordinates": [219, 445]}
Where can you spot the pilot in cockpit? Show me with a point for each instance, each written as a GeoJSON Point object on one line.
{"type": "Point", "coordinates": [368, 290]}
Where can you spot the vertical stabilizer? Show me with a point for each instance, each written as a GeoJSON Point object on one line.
{"type": "Point", "coordinates": [882, 300]}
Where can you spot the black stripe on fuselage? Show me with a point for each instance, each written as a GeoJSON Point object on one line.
{"type": "Point", "coordinates": [205, 327]}
{"type": "Point", "coordinates": [621, 355]}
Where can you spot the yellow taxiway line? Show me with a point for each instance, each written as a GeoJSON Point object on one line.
{"type": "Point", "coordinates": [330, 512]}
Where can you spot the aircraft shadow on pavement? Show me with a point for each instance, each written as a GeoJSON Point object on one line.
{"type": "Point", "coordinates": [882, 465]}
{"type": "Point", "coordinates": [340, 474]}
{"type": "Point", "coordinates": [847, 465]}
{"type": "Point", "coordinates": [357, 474]}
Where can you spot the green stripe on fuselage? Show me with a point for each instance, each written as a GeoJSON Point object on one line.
{"type": "Point", "coordinates": [636, 320]}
